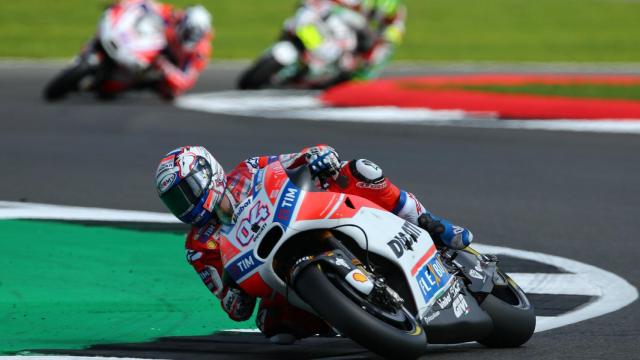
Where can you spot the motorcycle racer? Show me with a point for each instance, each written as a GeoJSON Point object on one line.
{"type": "Point", "coordinates": [189, 33]}
{"type": "Point", "coordinates": [195, 188]}
{"type": "Point", "coordinates": [378, 35]}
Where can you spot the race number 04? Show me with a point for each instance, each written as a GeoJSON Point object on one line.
{"type": "Point", "coordinates": [258, 213]}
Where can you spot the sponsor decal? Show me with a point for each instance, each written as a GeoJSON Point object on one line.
{"type": "Point", "coordinates": [359, 277]}
{"type": "Point", "coordinates": [303, 259]}
{"type": "Point", "coordinates": [429, 318]}
{"type": "Point", "coordinates": [437, 270]}
{"type": "Point", "coordinates": [211, 245]}
{"type": "Point", "coordinates": [205, 233]}
{"type": "Point", "coordinates": [476, 274]}
{"type": "Point", "coordinates": [375, 186]}
{"type": "Point", "coordinates": [287, 204]}
{"type": "Point", "coordinates": [242, 266]}
{"type": "Point", "coordinates": [445, 300]}
{"type": "Point", "coordinates": [405, 239]}
{"type": "Point", "coordinates": [257, 181]}
{"type": "Point", "coordinates": [205, 275]}
{"type": "Point", "coordinates": [193, 256]}
{"type": "Point", "coordinates": [166, 181]}
{"type": "Point", "coordinates": [478, 267]}
{"type": "Point", "coordinates": [245, 232]}
{"type": "Point", "coordinates": [165, 164]}
{"type": "Point", "coordinates": [240, 208]}
{"type": "Point", "coordinates": [340, 262]}
{"type": "Point", "coordinates": [430, 280]}
{"type": "Point", "coordinates": [460, 306]}
{"type": "Point", "coordinates": [253, 162]}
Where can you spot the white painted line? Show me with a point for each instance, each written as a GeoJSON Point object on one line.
{"type": "Point", "coordinates": [64, 357]}
{"type": "Point", "coordinates": [304, 105]}
{"type": "Point", "coordinates": [19, 210]}
{"type": "Point", "coordinates": [557, 284]}
{"type": "Point", "coordinates": [610, 291]}
{"type": "Point", "coordinates": [615, 291]}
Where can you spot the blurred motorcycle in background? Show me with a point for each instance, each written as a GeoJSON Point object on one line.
{"type": "Point", "coordinates": [130, 38]}
{"type": "Point", "coordinates": [317, 49]}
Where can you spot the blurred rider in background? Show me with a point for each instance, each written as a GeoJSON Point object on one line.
{"type": "Point", "coordinates": [378, 35]}
{"type": "Point", "coordinates": [195, 188]}
{"type": "Point", "coordinates": [189, 33]}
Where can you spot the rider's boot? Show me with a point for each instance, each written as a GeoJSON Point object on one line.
{"type": "Point", "coordinates": [445, 234]}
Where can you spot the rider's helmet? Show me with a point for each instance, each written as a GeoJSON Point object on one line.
{"type": "Point", "coordinates": [191, 183]}
{"type": "Point", "coordinates": [194, 25]}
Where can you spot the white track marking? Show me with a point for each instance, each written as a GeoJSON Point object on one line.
{"type": "Point", "coordinates": [304, 105]}
{"type": "Point", "coordinates": [610, 291]}
{"type": "Point", "coordinates": [558, 284]}
{"type": "Point", "coordinates": [615, 291]}
{"type": "Point", "coordinates": [63, 357]}
{"type": "Point", "coordinates": [19, 210]}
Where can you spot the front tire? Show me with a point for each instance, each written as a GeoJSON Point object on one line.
{"type": "Point", "coordinates": [514, 320]}
{"type": "Point", "coordinates": [315, 288]}
{"type": "Point", "coordinates": [66, 81]}
{"type": "Point", "coordinates": [259, 74]}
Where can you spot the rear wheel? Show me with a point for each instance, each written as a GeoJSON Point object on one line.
{"type": "Point", "coordinates": [259, 74]}
{"type": "Point", "coordinates": [66, 81]}
{"type": "Point", "coordinates": [514, 320]}
{"type": "Point", "coordinates": [394, 334]}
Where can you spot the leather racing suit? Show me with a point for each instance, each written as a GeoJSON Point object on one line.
{"type": "Point", "coordinates": [177, 68]}
{"type": "Point", "coordinates": [359, 177]}
{"type": "Point", "coordinates": [379, 26]}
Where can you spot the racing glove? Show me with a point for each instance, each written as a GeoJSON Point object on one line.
{"type": "Point", "coordinates": [235, 302]}
{"type": "Point", "coordinates": [238, 304]}
{"type": "Point", "coordinates": [323, 162]}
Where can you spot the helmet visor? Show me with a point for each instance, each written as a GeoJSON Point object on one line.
{"type": "Point", "coordinates": [183, 197]}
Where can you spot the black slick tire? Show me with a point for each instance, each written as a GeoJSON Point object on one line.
{"type": "Point", "coordinates": [351, 320]}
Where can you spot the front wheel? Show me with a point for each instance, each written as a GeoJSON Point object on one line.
{"type": "Point", "coordinates": [66, 81]}
{"type": "Point", "coordinates": [404, 339]}
{"type": "Point", "coordinates": [259, 74]}
{"type": "Point", "coordinates": [514, 320]}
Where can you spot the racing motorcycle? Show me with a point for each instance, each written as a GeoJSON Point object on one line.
{"type": "Point", "coordinates": [371, 275]}
{"type": "Point", "coordinates": [130, 37]}
{"type": "Point", "coordinates": [314, 51]}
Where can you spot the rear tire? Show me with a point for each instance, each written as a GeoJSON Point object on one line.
{"type": "Point", "coordinates": [259, 74]}
{"type": "Point", "coordinates": [66, 81]}
{"type": "Point", "coordinates": [359, 325]}
{"type": "Point", "coordinates": [514, 320]}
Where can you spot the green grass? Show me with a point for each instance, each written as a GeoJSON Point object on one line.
{"type": "Point", "coordinates": [67, 286]}
{"type": "Point", "coordinates": [617, 92]}
{"type": "Point", "coordinates": [438, 30]}
{"type": "Point", "coordinates": [594, 91]}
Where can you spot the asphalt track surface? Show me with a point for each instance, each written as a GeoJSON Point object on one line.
{"type": "Point", "coordinates": [574, 195]}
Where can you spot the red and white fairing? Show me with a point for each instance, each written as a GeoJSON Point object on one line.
{"type": "Point", "coordinates": [277, 202]}
{"type": "Point", "coordinates": [132, 33]}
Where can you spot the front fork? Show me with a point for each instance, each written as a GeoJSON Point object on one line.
{"type": "Point", "coordinates": [349, 268]}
